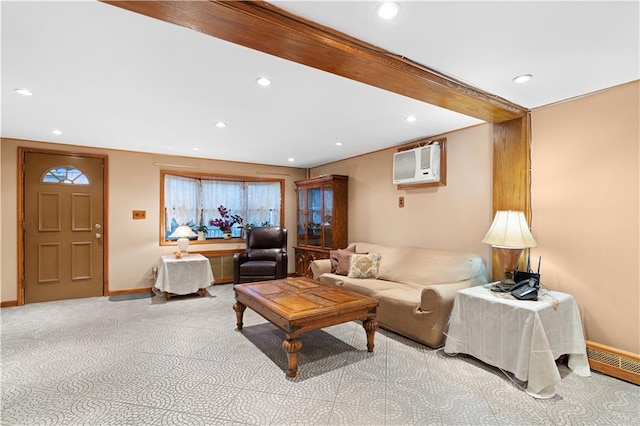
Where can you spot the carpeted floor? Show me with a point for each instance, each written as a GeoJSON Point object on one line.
{"type": "Point", "coordinates": [182, 362]}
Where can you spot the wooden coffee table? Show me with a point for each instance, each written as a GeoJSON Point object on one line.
{"type": "Point", "coordinates": [296, 305]}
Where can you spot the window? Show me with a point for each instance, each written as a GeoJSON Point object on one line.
{"type": "Point", "coordinates": [66, 175]}
{"type": "Point", "coordinates": [193, 199]}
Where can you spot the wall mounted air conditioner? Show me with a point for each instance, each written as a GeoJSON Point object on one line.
{"type": "Point", "coordinates": [418, 165]}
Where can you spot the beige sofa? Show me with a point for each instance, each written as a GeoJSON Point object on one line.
{"type": "Point", "coordinates": [415, 286]}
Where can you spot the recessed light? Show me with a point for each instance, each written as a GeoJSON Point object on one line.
{"type": "Point", "coordinates": [522, 78]}
{"type": "Point", "coordinates": [338, 144]}
{"type": "Point", "coordinates": [263, 81]}
{"type": "Point", "coordinates": [221, 124]}
{"type": "Point", "coordinates": [388, 10]}
{"type": "Point", "coordinates": [56, 132]}
{"type": "Point", "coordinates": [195, 148]}
{"type": "Point", "coordinates": [23, 92]}
{"type": "Point", "coordinates": [410, 119]}
{"type": "Point", "coordinates": [291, 159]}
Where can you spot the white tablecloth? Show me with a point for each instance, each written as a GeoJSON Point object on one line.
{"type": "Point", "coordinates": [183, 276]}
{"type": "Point", "coordinates": [523, 337]}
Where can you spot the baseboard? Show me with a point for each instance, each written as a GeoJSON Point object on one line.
{"type": "Point", "coordinates": [8, 303]}
{"type": "Point", "coordinates": [614, 362]}
{"type": "Point", "coordinates": [130, 291]}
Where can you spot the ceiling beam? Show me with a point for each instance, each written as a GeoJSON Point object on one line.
{"type": "Point", "coordinates": [269, 29]}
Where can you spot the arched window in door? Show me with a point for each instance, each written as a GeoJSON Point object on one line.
{"type": "Point", "coordinates": [65, 175]}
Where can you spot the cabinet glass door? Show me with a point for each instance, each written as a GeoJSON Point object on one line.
{"type": "Point", "coordinates": [302, 229]}
{"type": "Point", "coordinates": [314, 216]}
{"type": "Point", "coordinates": [327, 219]}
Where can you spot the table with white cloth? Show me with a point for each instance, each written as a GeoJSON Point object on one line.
{"type": "Point", "coordinates": [523, 337]}
{"type": "Point", "coordinates": [185, 275]}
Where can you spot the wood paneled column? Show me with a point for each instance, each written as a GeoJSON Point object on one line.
{"type": "Point", "coordinates": [511, 171]}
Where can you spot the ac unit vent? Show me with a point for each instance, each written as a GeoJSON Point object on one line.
{"type": "Point", "coordinates": [404, 165]}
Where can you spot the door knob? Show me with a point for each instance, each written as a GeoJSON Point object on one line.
{"type": "Point", "coordinates": [98, 235]}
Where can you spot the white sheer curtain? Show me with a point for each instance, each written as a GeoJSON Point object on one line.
{"type": "Point", "coordinates": [217, 193]}
{"type": "Point", "coordinates": [263, 203]}
{"type": "Point", "coordinates": [181, 201]}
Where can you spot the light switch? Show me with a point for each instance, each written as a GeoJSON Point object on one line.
{"type": "Point", "coordinates": [401, 202]}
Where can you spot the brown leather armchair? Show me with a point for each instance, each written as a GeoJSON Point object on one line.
{"type": "Point", "coordinates": [265, 257]}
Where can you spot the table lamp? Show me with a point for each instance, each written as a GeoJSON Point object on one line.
{"type": "Point", "coordinates": [182, 233]}
{"type": "Point", "coordinates": [509, 235]}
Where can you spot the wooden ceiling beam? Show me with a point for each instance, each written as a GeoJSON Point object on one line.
{"type": "Point", "coordinates": [269, 29]}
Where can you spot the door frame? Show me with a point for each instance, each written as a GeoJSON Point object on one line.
{"type": "Point", "coordinates": [22, 151]}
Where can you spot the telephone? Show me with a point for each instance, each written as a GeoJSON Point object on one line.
{"type": "Point", "coordinates": [526, 289]}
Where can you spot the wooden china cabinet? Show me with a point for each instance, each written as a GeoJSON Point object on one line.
{"type": "Point", "coordinates": [322, 219]}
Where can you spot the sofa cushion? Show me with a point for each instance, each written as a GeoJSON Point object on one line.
{"type": "Point", "coordinates": [424, 266]}
{"type": "Point", "coordinates": [364, 265]}
{"type": "Point", "coordinates": [340, 260]}
{"type": "Point", "coordinates": [366, 286]}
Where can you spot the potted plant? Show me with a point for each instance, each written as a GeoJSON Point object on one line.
{"type": "Point", "coordinates": [249, 226]}
{"type": "Point", "coordinates": [202, 230]}
{"type": "Point", "coordinates": [225, 221]}
{"type": "Point", "coordinates": [246, 229]}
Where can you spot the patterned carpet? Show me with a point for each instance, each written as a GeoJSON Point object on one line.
{"type": "Point", "coordinates": [182, 362]}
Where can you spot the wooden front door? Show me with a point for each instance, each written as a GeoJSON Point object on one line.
{"type": "Point", "coordinates": [63, 227]}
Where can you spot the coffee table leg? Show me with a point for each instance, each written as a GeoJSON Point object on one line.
{"type": "Point", "coordinates": [292, 347]}
{"type": "Point", "coordinates": [239, 308]}
{"type": "Point", "coordinates": [370, 326]}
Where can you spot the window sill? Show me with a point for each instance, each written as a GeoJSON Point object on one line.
{"type": "Point", "coordinates": [218, 241]}
{"type": "Point", "coordinates": [237, 240]}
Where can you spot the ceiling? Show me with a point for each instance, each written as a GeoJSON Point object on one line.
{"type": "Point", "coordinates": [111, 78]}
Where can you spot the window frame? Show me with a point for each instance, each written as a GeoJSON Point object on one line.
{"type": "Point", "coordinates": [213, 176]}
{"type": "Point", "coordinates": [65, 181]}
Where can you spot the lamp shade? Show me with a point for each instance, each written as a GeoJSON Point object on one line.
{"type": "Point", "coordinates": [182, 233]}
{"type": "Point", "coordinates": [509, 230]}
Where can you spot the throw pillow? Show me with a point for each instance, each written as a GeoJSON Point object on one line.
{"type": "Point", "coordinates": [340, 260]}
{"type": "Point", "coordinates": [364, 265]}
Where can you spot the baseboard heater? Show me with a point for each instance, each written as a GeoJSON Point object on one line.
{"type": "Point", "coordinates": [221, 264]}
{"type": "Point", "coordinates": [614, 362]}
